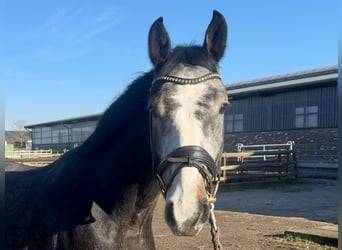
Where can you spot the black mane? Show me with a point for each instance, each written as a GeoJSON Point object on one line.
{"type": "Point", "coordinates": [120, 114]}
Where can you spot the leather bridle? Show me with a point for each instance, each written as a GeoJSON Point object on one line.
{"type": "Point", "coordinates": [190, 156]}
{"type": "Point", "coordinates": [187, 156]}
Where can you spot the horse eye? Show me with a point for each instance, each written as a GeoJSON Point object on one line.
{"type": "Point", "coordinates": [224, 106]}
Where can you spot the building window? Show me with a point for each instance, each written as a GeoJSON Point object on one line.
{"type": "Point", "coordinates": [306, 117]}
{"type": "Point", "coordinates": [63, 135]}
{"type": "Point", "coordinates": [37, 136]}
{"type": "Point", "coordinates": [76, 134]}
{"type": "Point", "coordinates": [55, 137]}
{"type": "Point", "coordinates": [87, 131]}
{"type": "Point", "coordinates": [234, 123]}
{"type": "Point", "coordinates": [46, 135]}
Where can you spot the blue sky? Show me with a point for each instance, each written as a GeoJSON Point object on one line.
{"type": "Point", "coordinates": [64, 59]}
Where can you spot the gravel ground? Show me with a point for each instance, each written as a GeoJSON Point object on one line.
{"type": "Point", "coordinates": [256, 218]}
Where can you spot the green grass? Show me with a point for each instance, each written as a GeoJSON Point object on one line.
{"type": "Point", "coordinates": [306, 241]}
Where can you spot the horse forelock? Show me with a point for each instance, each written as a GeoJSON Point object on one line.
{"type": "Point", "coordinates": [188, 55]}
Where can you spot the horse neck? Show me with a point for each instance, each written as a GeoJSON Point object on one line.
{"type": "Point", "coordinates": [119, 152]}
{"type": "Point", "coordinates": [116, 119]}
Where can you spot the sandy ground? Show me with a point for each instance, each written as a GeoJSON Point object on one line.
{"type": "Point", "coordinates": [256, 218]}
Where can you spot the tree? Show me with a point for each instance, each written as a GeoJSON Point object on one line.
{"type": "Point", "coordinates": [21, 133]}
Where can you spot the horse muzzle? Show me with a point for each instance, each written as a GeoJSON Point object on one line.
{"type": "Point", "coordinates": [187, 226]}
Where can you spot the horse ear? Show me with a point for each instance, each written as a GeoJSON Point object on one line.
{"type": "Point", "coordinates": [216, 36]}
{"type": "Point", "coordinates": [159, 43]}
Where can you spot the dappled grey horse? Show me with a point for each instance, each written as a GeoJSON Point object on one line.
{"type": "Point", "coordinates": [163, 134]}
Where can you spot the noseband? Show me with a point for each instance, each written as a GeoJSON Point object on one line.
{"type": "Point", "coordinates": [187, 156]}
{"type": "Point", "coordinates": [190, 156]}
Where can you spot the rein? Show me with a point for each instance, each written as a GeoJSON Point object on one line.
{"type": "Point", "coordinates": [190, 156]}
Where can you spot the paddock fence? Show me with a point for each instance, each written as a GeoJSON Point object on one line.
{"type": "Point", "coordinates": [257, 162]}
{"type": "Point", "coordinates": [36, 158]}
{"type": "Point", "coordinates": [249, 162]}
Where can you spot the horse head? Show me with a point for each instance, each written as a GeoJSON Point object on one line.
{"type": "Point", "coordinates": [187, 103]}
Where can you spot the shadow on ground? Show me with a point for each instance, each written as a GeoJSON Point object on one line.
{"type": "Point", "coordinates": [312, 199]}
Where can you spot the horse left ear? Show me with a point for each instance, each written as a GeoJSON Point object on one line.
{"type": "Point", "coordinates": [159, 44]}
{"type": "Point", "coordinates": [216, 36]}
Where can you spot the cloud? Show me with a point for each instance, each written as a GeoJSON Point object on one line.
{"type": "Point", "coordinates": [57, 16]}
{"type": "Point", "coordinates": [96, 30]}
{"type": "Point", "coordinates": [102, 22]}
{"type": "Point", "coordinates": [66, 32]}
{"type": "Point", "coordinates": [79, 25]}
{"type": "Point", "coordinates": [106, 16]}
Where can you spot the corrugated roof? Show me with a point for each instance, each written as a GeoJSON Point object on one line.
{"type": "Point", "coordinates": [331, 70]}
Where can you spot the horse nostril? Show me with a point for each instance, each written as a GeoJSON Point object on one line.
{"type": "Point", "coordinates": [205, 211]}
{"type": "Point", "coordinates": [169, 214]}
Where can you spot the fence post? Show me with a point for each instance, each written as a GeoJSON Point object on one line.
{"type": "Point", "coordinates": [239, 149]}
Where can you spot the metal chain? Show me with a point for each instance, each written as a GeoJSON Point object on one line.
{"type": "Point", "coordinates": [214, 229]}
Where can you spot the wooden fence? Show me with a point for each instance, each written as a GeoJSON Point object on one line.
{"type": "Point", "coordinates": [249, 162]}
{"type": "Point", "coordinates": [32, 158]}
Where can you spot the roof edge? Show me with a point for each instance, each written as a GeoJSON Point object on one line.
{"type": "Point", "coordinates": [65, 121]}
{"type": "Point", "coordinates": [298, 77]}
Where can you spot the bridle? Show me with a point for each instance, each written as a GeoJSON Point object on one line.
{"type": "Point", "coordinates": [189, 156]}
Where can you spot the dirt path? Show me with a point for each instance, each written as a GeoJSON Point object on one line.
{"type": "Point", "coordinates": [251, 219]}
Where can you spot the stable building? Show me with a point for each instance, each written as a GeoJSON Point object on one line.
{"type": "Point", "coordinates": [299, 107]}
{"type": "Point", "coordinates": [64, 134]}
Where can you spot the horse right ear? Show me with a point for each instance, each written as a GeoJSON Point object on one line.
{"type": "Point", "coordinates": [159, 44]}
{"type": "Point", "coordinates": [216, 36]}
